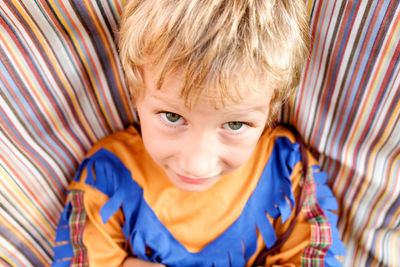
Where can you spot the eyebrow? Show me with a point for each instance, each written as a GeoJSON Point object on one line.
{"type": "Point", "coordinates": [172, 103]}
{"type": "Point", "coordinates": [168, 102]}
{"type": "Point", "coordinates": [259, 108]}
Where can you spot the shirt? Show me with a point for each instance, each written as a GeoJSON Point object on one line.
{"type": "Point", "coordinates": [122, 203]}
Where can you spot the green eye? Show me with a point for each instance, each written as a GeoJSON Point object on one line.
{"type": "Point", "coordinates": [172, 117]}
{"type": "Point", "coordinates": [235, 125]}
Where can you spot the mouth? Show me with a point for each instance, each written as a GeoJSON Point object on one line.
{"type": "Point", "coordinates": [190, 180]}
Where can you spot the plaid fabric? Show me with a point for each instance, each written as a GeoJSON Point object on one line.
{"type": "Point", "coordinates": [321, 237]}
{"type": "Point", "coordinates": [77, 224]}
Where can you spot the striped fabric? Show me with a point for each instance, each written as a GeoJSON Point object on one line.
{"type": "Point", "coordinates": [62, 89]}
{"type": "Point", "coordinates": [348, 109]}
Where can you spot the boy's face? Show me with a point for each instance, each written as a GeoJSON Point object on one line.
{"type": "Point", "coordinates": [197, 146]}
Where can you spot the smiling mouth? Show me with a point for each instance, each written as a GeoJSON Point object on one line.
{"type": "Point", "coordinates": [189, 180]}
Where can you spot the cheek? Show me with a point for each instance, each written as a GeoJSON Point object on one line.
{"type": "Point", "coordinates": [238, 157]}
{"type": "Point", "coordinates": [155, 150]}
{"type": "Point", "coordinates": [238, 154]}
{"type": "Point", "coordinates": [157, 144]}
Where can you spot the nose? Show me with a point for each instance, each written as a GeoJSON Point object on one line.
{"type": "Point", "coordinates": [199, 157]}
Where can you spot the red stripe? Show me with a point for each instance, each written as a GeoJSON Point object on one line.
{"type": "Point", "coordinates": [77, 61]}
{"type": "Point", "coordinates": [35, 109]}
{"type": "Point", "coordinates": [36, 199]}
{"type": "Point", "coordinates": [337, 62]}
{"type": "Point", "coordinates": [101, 32]}
{"type": "Point", "coordinates": [77, 226]}
{"type": "Point", "coordinates": [355, 108]}
{"type": "Point", "coordinates": [93, 64]}
{"type": "Point", "coordinates": [37, 158]}
{"type": "Point", "coordinates": [315, 46]}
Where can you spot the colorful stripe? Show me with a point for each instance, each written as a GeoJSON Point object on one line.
{"type": "Point", "coordinates": [70, 249]}
{"type": "Point", "coordinates": [62, 89]}
{"type": "Point", "coordinates": [348, 110]}
{"type": "Point", "coordinates": [77, 223]}
{"type": "Point", "coordinates": [321, 237]}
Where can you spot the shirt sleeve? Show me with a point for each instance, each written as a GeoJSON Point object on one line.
{"type": "Point", "coordinates": [314, 239]}
{"type": "Point", "coordinates": [82, 237]}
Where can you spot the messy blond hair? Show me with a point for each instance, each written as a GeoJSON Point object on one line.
{"type": "Point", "coordinates": [217, 44]}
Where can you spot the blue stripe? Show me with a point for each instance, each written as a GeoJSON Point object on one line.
{"type": "Point", "coordinates": [351, 94]}
{"type": "Point", "coordinates": [93, 79]}
{"type": "Point", "coordinates": [77, 77]}
{"type": "Point", "coordinates": [104, 58]}
{"type": "Point", "coordinates": [28, 103]}
{"type": "Point", "coordinates": [335, 70]}
{"type": "Point", "coordinates": [27, 252]}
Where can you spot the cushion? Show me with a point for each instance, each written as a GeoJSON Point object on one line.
{"type": "Point", "coordinates": [62, 89]}
{"type": "Point", "coordinates": [348, 110]}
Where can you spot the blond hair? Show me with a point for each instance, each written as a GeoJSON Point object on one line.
{"type": "Point", "coordinates": [217, 44]}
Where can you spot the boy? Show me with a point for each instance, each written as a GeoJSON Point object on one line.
{"type": "Point", "coordinates": [207, 182]}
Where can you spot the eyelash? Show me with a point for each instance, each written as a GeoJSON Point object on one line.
{"type": "Point", "coordinates": [243, 127]}
{"type": "Point", "coordinates": [169, 123]}
{"type": "Point", "coordinates": [166, 121]}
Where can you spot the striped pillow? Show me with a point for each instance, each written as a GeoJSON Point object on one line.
{"type": "Point", "coordinates": [62, 89]}
{"type": "Point", "coordinates": [348, 109]}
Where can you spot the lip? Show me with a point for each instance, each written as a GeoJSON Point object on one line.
{"type": "Point", "coordinates": [190, 180]}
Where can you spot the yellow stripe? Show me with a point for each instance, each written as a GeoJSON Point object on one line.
{"type": "Point", "coordinates": [396, 215]}
{"type": "Point", "coordinates": [378, 205]}
{"type": "Point", "coordinates": [378, 145]}
{"type": "Point", "coordinates": [7, 260]}
{"type": "Point", "coordinates": [118, 5]}
{"type": "Point", "coordinates": [104, 41]}
{"type": "Point", "coordinates": [61, 75]}
{"type": "Point", "coordinates": [82, 56]}
{"type": "Point", "coordinates": [109, 51]}
{"type": "Point", "coordinates": [43, 103]}
{"type": "Point", "coordinates": [117, 74]}
{"type": "Point", "coordinates": [20, 237]}
{"type": "Point", "coordinates": [30, 211]}
{"type": "Point", "coordinates": [309, 5]}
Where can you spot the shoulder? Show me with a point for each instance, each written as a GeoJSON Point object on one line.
{"type": "Point", "coordinates": [120, 142]}
{"type": "Point", "coordinates": [278, 143]}
{"type": "Point", "coordinates": [274, 133]}
{"type": "Point", "coordinates": [118, 158]}
{"type": "Point", "coordinates": [106, 165]}
{"type": "Point", "coordinates": [125, 147]}
{"type": "Point", "coordinates": [312, 194]}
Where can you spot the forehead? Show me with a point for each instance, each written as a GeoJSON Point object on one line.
{"type": "Point", "coordinates": [242, 90]}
